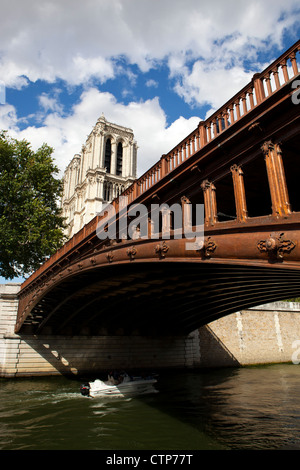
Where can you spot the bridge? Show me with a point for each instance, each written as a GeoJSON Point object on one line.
{"type": "Point", "coordinates": [242, 165]}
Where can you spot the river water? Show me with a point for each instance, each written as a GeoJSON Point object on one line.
{"type": "Point", "coordinates": [244, 408]}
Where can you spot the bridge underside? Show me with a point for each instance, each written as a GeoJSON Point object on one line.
{"type": "Point", "coordinates": [156, 298]}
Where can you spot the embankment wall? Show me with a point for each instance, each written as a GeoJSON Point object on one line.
{"type": "Point", "coordinates": [264, 334]}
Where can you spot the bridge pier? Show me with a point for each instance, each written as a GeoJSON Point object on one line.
{"type": "Point", "coordinates": [264, 334]}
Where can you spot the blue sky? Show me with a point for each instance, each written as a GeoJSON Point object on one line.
{"type": "Point", "coordinates": [156, 66]}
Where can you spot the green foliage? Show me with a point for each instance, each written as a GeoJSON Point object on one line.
{"type": "Point", "coordinates": [31, 224]}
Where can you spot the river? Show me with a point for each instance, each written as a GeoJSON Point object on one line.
{"type": "Point", "coordinates": [217, 409]}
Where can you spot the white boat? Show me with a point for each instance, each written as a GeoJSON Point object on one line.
{"type": "Point", "coordinates": [126, 386]}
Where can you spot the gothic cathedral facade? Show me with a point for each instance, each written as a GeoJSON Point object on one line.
{"type": "Point", "coordinates": [106, 166]}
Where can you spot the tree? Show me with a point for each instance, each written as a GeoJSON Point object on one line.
{"type": "Point", "coordinates": [31, 224]}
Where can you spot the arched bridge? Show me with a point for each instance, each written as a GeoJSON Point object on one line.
{"type": "Point", "coordinates": [242, 164]}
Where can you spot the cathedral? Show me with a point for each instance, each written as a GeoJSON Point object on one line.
{"type": "Point", "coordinates": [106, 166]}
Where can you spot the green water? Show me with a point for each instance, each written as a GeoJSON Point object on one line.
{"type": "Point", "coordinates": [244, 408]}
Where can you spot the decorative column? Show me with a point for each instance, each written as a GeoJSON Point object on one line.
{"type": "Point", "coordinates": [72, 178]}
{"type": "Point", "coordinates": [276, 177]}
{"type": "Point", "coordinates": [294, 63]}
{"type": "Point", "coordinates": [164, 165]}
{"type": "Point", "coordinates": [210, 202]}
{"type": "Point", "coordinates": [102, 149]}
{"type": "Point", "coordinates": [76, 167]}
{"type": "Point", "coordinates": [135, 149]}
{"type": "Point", "coordinates": [239, 193]}
{"type": "Point", "coordinates": [96, 150]}
{"type": "Point", "coordinates": [99, 193]}
{"type": "Point", "coordinates": [128, 158]}
{"type": "Point", "coordinates": [187, 221]}
{"type": "Point", "coordinates": [258, 87]}
{"type": "Point", "coordinates": [68, 182]}
{"type": "Point", "coordinates": [166, 222]}
{"type": "Point", "coordinates": [82, 174]}
{"type": "Point", "coordinates": [113, 166]}
{"type": "Point", "coordinates": [151, 228]}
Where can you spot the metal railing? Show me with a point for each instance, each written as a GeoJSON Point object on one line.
{"type": "Point", "coordinates": [261, 87]}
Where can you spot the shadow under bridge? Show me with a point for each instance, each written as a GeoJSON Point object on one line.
{"type": "Point", "coordinates": [156, 298]}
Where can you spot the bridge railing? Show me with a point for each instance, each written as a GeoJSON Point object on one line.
{"type": "Point", "coordinates": [261, 87]}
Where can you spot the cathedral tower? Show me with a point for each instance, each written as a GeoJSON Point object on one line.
{"type": "Point", "coordinates": [106, 166]}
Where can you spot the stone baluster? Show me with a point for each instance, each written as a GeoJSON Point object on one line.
{"type": "Point", "coordinates": [237, 108]}
{"type": "Point", "coordinates": [268, 81]}
{"type": "Point", "coordinates": [209, 131]}
{"type": "Point", "coordinates": [193, 144]}
{"type": "Point", "coordinates": [258, 88]}
{"type": "Point", "coordinates": [244, 103]}
{"type": "Point", "coordinates": [225, 117]}
{"type": "Point", "coordinates": [164, 166]}
{"type": "Point", "coordinates": [251, 98]}
{"type": "Point", "coordinates": [294, 63]}
{"type": "Point", "coordinates": [276, 77]}
{"type": "Point", "coordinates": [231, 114]}
{"type": "Point", "coordinates": [284, 70]}
{"type": "Point", "coordinates": [215, 127]}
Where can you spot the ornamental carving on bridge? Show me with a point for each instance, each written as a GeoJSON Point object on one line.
{"type": "Point", "coordinates": [110, 256]}
{"type": "Point", "coordinates": [162, 249]}
{"type": "Point", "coordinates": [207, 248]}
{"type": "Point", "coordinates": [131, 252]}
{"type": "Point", "coordinates": [276, 247]}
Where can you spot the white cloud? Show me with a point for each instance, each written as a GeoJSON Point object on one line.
{"type": "Point", "coordinates": [49, 103]}
{"type": "Point", "coordinates": [75, 40]}
{"type": "Point", "coordinates": [67, 134]}
{"type": "Point", "coordinates": [8, 118]}
{"type": "Point", "coordinates": [206, 46]}
{"type": "Point", "coordinates": [152, 83]}
{"type": "Point", "coordinates": [212, 85]}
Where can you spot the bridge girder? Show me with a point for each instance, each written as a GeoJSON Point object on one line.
{"type": "Point", "coordinates": [170, 293]}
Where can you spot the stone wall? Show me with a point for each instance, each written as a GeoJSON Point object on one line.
{"type": "Point", "coordinates": [265, 334]}
{"type": "Point", "coordinates": [8, 312]}
{"type": "Point", "coordinates": [52, 355]}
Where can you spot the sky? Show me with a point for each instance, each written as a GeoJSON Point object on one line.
{"type": "Point", "coordinates": [156, 66]}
